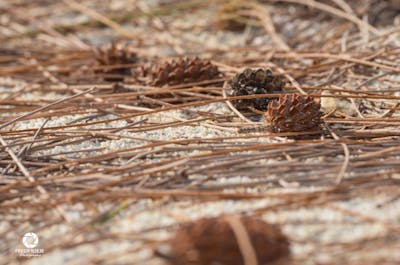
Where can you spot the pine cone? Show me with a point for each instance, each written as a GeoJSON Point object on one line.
{"type": "Point", "coordinates": [115, 54]}
{"type": "Point", "coordinates": [212, 241]}
{"type": "Point", "coordinates": [294, 113]}
{"type": "Point", "coordinates": [183, 70]}
{"type": "Point", "coordinates": [251, 82]}
{"type": "Point", "coordinates": [229, 18]}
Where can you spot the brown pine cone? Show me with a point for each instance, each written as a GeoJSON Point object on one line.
{"type": "Point", "coordinates": [294, 113]}
{"type": "Point", "coordinates": [180, 71]}
{"type": "Point", "coordinates": [115, 54]}
{"type": "Point", "coordinates": [213, 241]}
{"type": "Point", "coordinates": [260, 81]}
{"type": "Point", "coordinates": [229, 18]}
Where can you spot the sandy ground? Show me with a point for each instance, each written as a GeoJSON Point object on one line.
{"type": "Point", "coordinates": [358, 226]}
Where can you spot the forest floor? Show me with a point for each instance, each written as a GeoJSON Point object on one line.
{"type": "Point", "coordinates": [104, 164]}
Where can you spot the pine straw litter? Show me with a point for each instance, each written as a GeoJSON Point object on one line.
{"type": "Point", "coordinates": [105, 164]}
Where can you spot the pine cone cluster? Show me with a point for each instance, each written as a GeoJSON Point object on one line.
{"type": "Point", "coordinates": [260, 81]}
{"type": "Point", "coordinates": [115, 54]}
{"type": "Point", "coordinates": [213, 241]}
{"type": "Point", "coordinates": [180, 71]}
{"type": "Point", "coordinates": [294, 113]}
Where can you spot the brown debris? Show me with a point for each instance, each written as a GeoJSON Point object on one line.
{"type": "Point", "coordinates": [228, 17]}
{"type": "Point", "coordinates": [115, 54]}
{"type": "Point", "coordinates": [379, 13]}
{"type": "Point", "coordinates": [180, 71]}
{"type": "Point", "coordinates": [215, 241]}
{"type": "Point", "coordinates": [294, 113]}
{"type": "Point", "coordinates": [260, 81]}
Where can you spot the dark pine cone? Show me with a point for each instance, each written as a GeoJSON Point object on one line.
{"type": "Point", "coordinates": [115, 54]}
{"type": "Point", "coordinates": [213, 241]}
{"type": "Point", "coordinates": [183, 70]}
{"type": "Point", "coordinates": [294, 113]}
{"type": "Point", "coordinates": [251, 82]}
